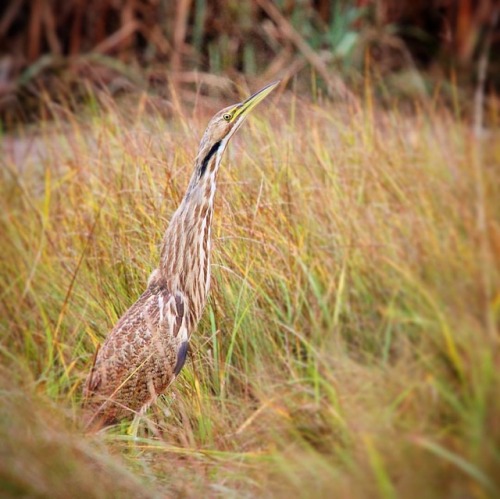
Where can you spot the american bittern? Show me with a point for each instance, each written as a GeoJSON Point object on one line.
{"type": "Point", "coordinates": [147, 348]}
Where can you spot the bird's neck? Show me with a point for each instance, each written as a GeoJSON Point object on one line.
{"type": "Point", "coordinates": [185, 254]}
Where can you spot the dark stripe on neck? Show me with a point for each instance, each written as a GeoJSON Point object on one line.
{"type": "Point", "coordinates": [208, 157]}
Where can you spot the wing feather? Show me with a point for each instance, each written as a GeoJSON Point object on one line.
{"type": "Point", "coordinates": [140, 357]}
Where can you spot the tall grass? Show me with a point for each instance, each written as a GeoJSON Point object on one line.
{"type": "Point", "coordinates": [350, 344]}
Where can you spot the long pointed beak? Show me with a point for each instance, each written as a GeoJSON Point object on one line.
{"type": "Point", "coordinates": [247, 105]}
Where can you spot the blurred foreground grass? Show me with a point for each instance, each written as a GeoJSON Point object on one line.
{"type": "Point", "coordinates": [350, 345]}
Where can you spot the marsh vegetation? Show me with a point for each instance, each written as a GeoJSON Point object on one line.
{"type": "Point", "coordinates": [350, 344]}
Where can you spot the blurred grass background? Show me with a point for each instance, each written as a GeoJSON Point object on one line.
{"type": "Point", "coordinates": [350, 343]}
{"type": "Point", "coordinates": [414, 49]}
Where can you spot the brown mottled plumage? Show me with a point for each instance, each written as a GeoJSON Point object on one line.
{"type": "Point", "coordinates": [146, 350]}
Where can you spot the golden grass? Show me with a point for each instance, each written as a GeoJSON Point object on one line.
{"type": "Point", "coordinates": [350, 345]}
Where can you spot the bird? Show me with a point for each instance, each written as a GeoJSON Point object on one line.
{"type": "Point", "coordinates": [147, 348]}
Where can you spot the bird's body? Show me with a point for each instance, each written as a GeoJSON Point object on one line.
{"type": "Point", "coordinates": [147, 348]}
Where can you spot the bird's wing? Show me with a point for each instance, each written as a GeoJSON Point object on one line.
{"type": "Point", "coordinates": [152, 335]}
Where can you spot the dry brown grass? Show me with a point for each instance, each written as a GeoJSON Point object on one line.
{"type": "Point", "coordinates": [350, 346]}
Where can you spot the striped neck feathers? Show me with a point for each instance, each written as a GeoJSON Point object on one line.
{"type": "Point", "coordinates": [186, 244]}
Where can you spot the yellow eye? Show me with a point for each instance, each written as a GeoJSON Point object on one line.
{"type": "Point", "coordinates": [227, 116]}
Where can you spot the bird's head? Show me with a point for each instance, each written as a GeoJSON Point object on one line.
{"type": "Point", "coordinates": [222, 127]}
{"type": "Point", "coordinates": [225, 123]}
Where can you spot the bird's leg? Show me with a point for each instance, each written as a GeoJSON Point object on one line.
{"type": "Point", "coordinates": [134, 427]}
{"type": "Point", "coordinates": [141, 415]}
{"type": "Point", "coordinates": [154, 422]}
